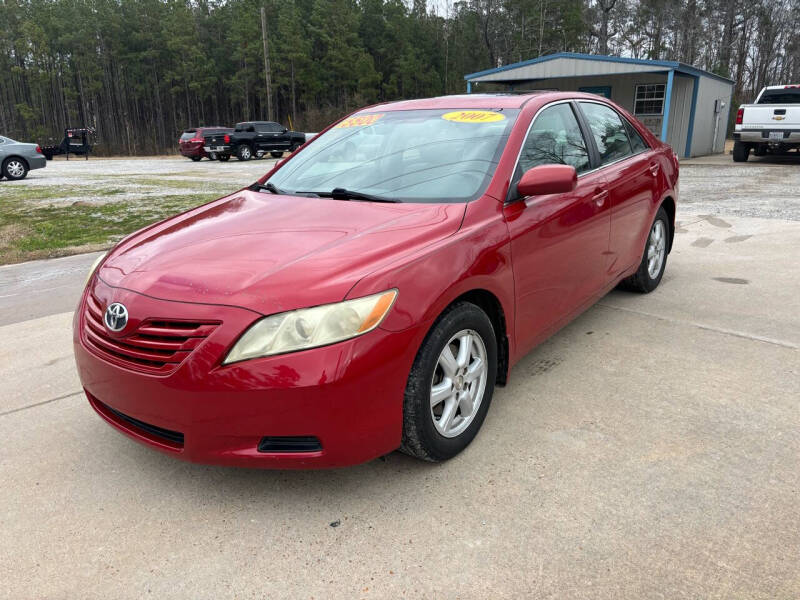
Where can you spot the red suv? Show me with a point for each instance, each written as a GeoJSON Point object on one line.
{"type": "Point", "coordinates": [369, 292]}
{"type": "Point", "coordinates": [191, 143]}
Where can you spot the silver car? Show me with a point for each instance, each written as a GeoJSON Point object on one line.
{"type": "Point", "coordinates": [16, 158]}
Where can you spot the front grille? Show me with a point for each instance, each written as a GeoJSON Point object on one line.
{"type": "Point", "coordinates": [156, 346]}
{"type": "Point", "coordinates": [175, 438]}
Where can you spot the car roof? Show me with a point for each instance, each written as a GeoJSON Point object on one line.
{"type": "Point", "coordinates": [478, 101]}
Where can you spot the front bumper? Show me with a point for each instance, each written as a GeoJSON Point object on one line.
{"type": "Point", "coordinates": [349, 396]}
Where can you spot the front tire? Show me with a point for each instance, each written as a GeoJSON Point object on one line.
{"type": "Point", "coordinates": [244, 152]}
{"type": "Point", "coordinates": [450, 386]}
{"type": "Point", "coordinates": [15, 168]}
{"type": "Point", "coordinates": [196, 158]}
{"type": "Point", "coordinates": [741, 151]}
{"type": "Point", "coordinates": [654, 260]}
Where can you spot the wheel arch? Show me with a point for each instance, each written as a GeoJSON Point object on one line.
{"type": "Point", "coordinates": [13, 156]}
{"type": "Point", "coordinates": [669, 206]}
{"type": "Point", "coordinates": [490, 304]}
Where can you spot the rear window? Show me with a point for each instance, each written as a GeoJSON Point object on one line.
{"type": "Point", "coordinates": [780, 96]}
{"type": "Point", "coordinates": [187, 135]}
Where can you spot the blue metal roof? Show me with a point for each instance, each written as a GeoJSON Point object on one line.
{"type": "Point", "coordinates": [666, 64]}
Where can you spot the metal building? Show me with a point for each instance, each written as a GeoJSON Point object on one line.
{"type": "Point", "coordinates": [683, 105]}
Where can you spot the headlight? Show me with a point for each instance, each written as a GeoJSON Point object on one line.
{"type": "Point", "coordinates": [312, 327]}
{"type": "Point", "coordinates": [93, 267]}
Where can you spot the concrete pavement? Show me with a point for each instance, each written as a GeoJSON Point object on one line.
{"type": "Point", "coordinates": [42, 287]}
{"type": "Point", "coordinates": [649, 450]}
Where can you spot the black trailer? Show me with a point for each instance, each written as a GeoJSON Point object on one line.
{"type": "Point", "coordinates": [76, 141]}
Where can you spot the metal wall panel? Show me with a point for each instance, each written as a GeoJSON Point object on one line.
{"type": "Point", "coordinates": [706, 121]}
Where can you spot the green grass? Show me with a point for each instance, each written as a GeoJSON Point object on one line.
{"type": "Point", "coordinates": [37, 231]}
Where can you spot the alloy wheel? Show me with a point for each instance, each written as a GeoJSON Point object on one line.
{"type": "Point", "coordinates": [15, 168]}
{"type": "Point", "coordinates": [459, 382]}
{"type": "Point", "coordinates": [656, 249]}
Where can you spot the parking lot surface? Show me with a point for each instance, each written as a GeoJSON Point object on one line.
{"type": "Point", "coordinates": [651, 449]}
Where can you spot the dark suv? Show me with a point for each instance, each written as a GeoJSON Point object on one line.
{"type": "Point", "coordinates": [192, 145]}
{"type": "Point", "coordinates": [255, 138]}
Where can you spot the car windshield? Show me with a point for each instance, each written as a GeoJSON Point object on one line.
{"type": "Point", "coordinates": [780, 96]}
{"type": "Point", "coordinates": [412, 156]}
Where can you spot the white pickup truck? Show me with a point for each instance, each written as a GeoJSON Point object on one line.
{"type": "Point", "coordinates": [771, 125]}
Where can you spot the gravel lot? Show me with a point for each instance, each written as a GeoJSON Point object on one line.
{"type": "Point", "coordinates": [135, 178]}
{"type": "Point", "coordinates": [651, 449]}
{"type": "Point", "coordinates": [766, 187]}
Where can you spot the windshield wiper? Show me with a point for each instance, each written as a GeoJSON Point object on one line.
{"type": "Point", "coordinates": [343, 194]}
{"type": "Point", "coordinates": [270, 187]}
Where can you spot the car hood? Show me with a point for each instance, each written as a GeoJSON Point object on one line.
{"type": "Point", "coordinates": [271, 253]}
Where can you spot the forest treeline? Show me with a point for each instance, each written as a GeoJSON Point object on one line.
{"type": "Point", "coordinates": [140, 71]}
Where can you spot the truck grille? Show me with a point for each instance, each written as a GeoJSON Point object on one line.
{"type": "Point", "coordinates": [157, 346]}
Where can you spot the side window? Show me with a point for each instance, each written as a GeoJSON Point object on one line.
{"type": "Point", "coordinates": [608, 132]}
{"type": "Point", "coordinates": [555, 137]}
{"type": "Point", "coordinates": [637, 143]}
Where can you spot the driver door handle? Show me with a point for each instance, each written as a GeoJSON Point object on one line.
{"type": "Point", "coordinates": [600, 197]}
{"type": "Point", "coordinates": [654, 167]}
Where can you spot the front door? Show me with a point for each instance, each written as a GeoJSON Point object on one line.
{"type": "Point", "coordinates": [559, 242]}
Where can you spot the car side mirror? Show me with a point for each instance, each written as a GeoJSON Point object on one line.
{"type": "Point", "coordinates": [285, 130]}
{"type": "Point", "coordinates": [548, 179]}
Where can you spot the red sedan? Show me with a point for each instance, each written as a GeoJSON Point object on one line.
{"type": "Point", "coordinates": [368, 293]}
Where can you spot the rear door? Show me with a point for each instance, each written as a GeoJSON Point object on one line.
{"type": "Point", "coordinates": [281, 138]}
{"type": "Point", "coordinates": [631, 171]}
{"type": "Point", "coordinates": [559, 242]}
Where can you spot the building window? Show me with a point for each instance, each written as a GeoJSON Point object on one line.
{"type": "Point", "coordinates": [649, 99]}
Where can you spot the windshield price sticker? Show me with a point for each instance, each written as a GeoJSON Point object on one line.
{"type": "Point", "coordinates": [473, 116]}
{"type": "Point", "coordinates": [359, 121]}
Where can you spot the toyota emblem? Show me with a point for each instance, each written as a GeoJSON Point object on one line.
{"type": "Point", "coordinates": [116, 317]}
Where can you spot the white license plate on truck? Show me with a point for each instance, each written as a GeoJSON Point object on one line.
{"type": "Point", "coordinates": [776, 135]}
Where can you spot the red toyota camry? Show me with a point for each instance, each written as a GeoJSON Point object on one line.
{"type": "Point", "coordinates": [369, 292]}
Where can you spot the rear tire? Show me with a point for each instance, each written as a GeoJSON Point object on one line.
{"type": "Point", "coordinates": [15, 168]}
{"type": "Point", "coordinates": [741, 151]}
{"type": "Point", "coordinates": [244, 152]}
{"type": "Point", "coordinates": [450, 386]}
{"type": "Point", "coordinates": [654, 259]}
{"type": "Point", "coordinates": [276, 154]}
